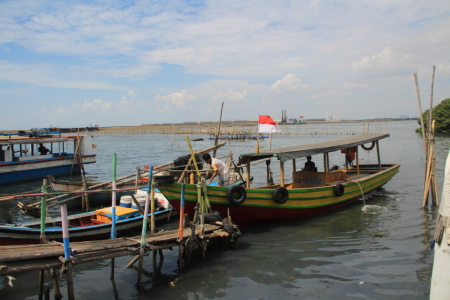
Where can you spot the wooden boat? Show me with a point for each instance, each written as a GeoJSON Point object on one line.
{"type": "Point", "coordinates": [92, 225]}
{"type": "Point", "coordinates": [21, 160]}
{"type": "Point", "coordinates": [309, 193]}
{"type": "Point", "coordinates": [174, 168]}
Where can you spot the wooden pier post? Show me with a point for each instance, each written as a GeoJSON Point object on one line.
{"type": "Point", "coordinates": [43, 238]}
{"type": "Point", "coordinates": [113, 201]}
{"type": "Point", "coordinates": [144, 225]}
{"type": "Point", "coordinates": [65, 230]}
{"type": "Point", "coordinates": [180, 230]}
{"type": "Point", "coordinates": [43, 210]}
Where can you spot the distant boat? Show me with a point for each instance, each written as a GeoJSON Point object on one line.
{"type": "Point", "coordinates": [22, 157]}
{"type": "Point", "coordinates": [309, 193]}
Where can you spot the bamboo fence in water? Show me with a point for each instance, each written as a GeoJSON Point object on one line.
{"type": "Point", "coordinates": [326, 128]}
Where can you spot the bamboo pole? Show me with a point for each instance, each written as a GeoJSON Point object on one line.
{"type": "Point", "coordinates": [218, 131]}
{"type": "Point", "coordinates": [420, 113]}
{"type": "Point", "coordinates": [181, 230]}
{"type": "Point", "coordinates": [430, 115]}
{"type": "Point", "coordinates": [43, 209]}
{"type": "Point", "coordinates": [185, 170]}
{"type": "Point", "coordinates": [427, 179]}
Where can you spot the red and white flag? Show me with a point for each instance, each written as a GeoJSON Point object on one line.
{"type": "Point", "coordinates": [267, 125]}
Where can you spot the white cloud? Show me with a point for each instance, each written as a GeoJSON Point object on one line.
{"type": "Point", "coordinates": [289, 83]}
{"type": "Point", "coordinates": [49, 75]}
{"type": "Point", "coordinates": [231, 95]}
{"type": "Point", "coordinates": [174, 101]}
{"type": "Point", "coordinates": [132, 93]}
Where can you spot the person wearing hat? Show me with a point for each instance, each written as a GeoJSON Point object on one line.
{"type": "Point", "coordinates": [219, 167]}
{"type": "Point", "coordinates": [309, 165]}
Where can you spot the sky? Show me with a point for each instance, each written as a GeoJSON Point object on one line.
{"type": "Point", "coordinates": [127, 63]}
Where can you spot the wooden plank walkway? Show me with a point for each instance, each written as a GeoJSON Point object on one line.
{"type": "Point", "coordinates": [20, 258]}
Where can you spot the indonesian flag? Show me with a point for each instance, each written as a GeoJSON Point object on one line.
{"type": "Point", "coordinates": [267, 125]}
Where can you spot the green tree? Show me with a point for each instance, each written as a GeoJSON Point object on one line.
{"type": "Point", "coordinates": [441, 113]}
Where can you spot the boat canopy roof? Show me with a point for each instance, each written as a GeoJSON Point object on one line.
{"type": "Point", "coordinates": [293, 152]}
{"type": "Point", "coordinates": [33, 140]}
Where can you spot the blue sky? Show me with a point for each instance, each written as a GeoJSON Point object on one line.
{"type": "Point", "coordinates": [119, 63]}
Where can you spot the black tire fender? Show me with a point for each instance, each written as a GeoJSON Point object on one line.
{"type": "Point", "coordinates": [338, 190]}
{"type": "Point", "coordinates": [280, 195]}
{"type": "Point", "coordinates": [236, 194]}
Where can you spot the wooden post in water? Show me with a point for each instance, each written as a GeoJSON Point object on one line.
{"type": "Point", "coordinates": [145, 224]}
{"type": "Point", "coordinates": [180, 230]}
{"type": "Point", "coordinates": [65, 230]}
{"type": "Point", "coordinates": [43, 210]}
{"type": "Point", "coordinates": [113, 201]}
{"type": "Point", "coordinates": [113, 209]}
{"type": "Point", "coordinates": [42, 237]}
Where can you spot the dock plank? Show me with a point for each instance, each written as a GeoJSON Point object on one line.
{"type": "Point", "coordinates": [16, 258]}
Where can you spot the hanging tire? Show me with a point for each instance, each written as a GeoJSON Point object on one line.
{"type": "Point", "coordinates": [280, 195]}
{"type": "Point", "coordinates": [236, 194]}
{"type": "Point", "coordinates": [338, 190]}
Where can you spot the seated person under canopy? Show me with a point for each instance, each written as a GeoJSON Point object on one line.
{"type": "Point", "coordinates": [309, 165]}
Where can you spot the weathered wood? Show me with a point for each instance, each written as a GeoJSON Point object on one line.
{"type": "Point", "coordinates": [18, 258]}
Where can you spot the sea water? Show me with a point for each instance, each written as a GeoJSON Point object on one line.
{"type": "Point", "coordinates": [380, 252]}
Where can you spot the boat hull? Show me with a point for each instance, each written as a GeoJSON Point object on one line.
{"type": "Point", "coordinates": [259, 206]}
{"type": "Point", "coordinates": [35, 169]}
{"type": "Point", "coordinates": [17, 235]}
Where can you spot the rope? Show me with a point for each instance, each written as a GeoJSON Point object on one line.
{"type": "Point", "coordinates": [362, 193]}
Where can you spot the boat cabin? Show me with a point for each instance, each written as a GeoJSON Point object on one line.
{"type": "Point", "coordinates": [22, 146]}
{"type": "Point", "coordinates": [330, 175]}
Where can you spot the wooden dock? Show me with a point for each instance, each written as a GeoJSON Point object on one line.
{"type": "Point", "coordinates": [20, 258]}
{"type": "Point", "coordinates": [50, 256]}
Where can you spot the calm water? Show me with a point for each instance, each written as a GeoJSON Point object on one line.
{"type": "Point", "coordinates": [381, 253]}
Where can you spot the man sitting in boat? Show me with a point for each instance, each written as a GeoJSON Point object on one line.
{"type": "Point", "coordinates": [219, 167]}
{"type": "Point", "coordinates": [309, 165]}
{"type": "Point", "coordinates": [350, 154]}
{"type": "Point", "coordinates": [43, 150]}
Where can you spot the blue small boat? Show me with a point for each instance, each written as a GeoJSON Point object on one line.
{"type": "Point", "coordinates": [41, 152]}
{"type": "Point", "coordinates": [92, 225]}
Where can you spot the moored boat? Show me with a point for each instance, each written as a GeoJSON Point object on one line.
{"type": "Point", "coordinates": [38, 153]}
{"type": "Point", "coordinates": [309, 193]}
{"type": "Point", "coordinates": [91, 225]}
